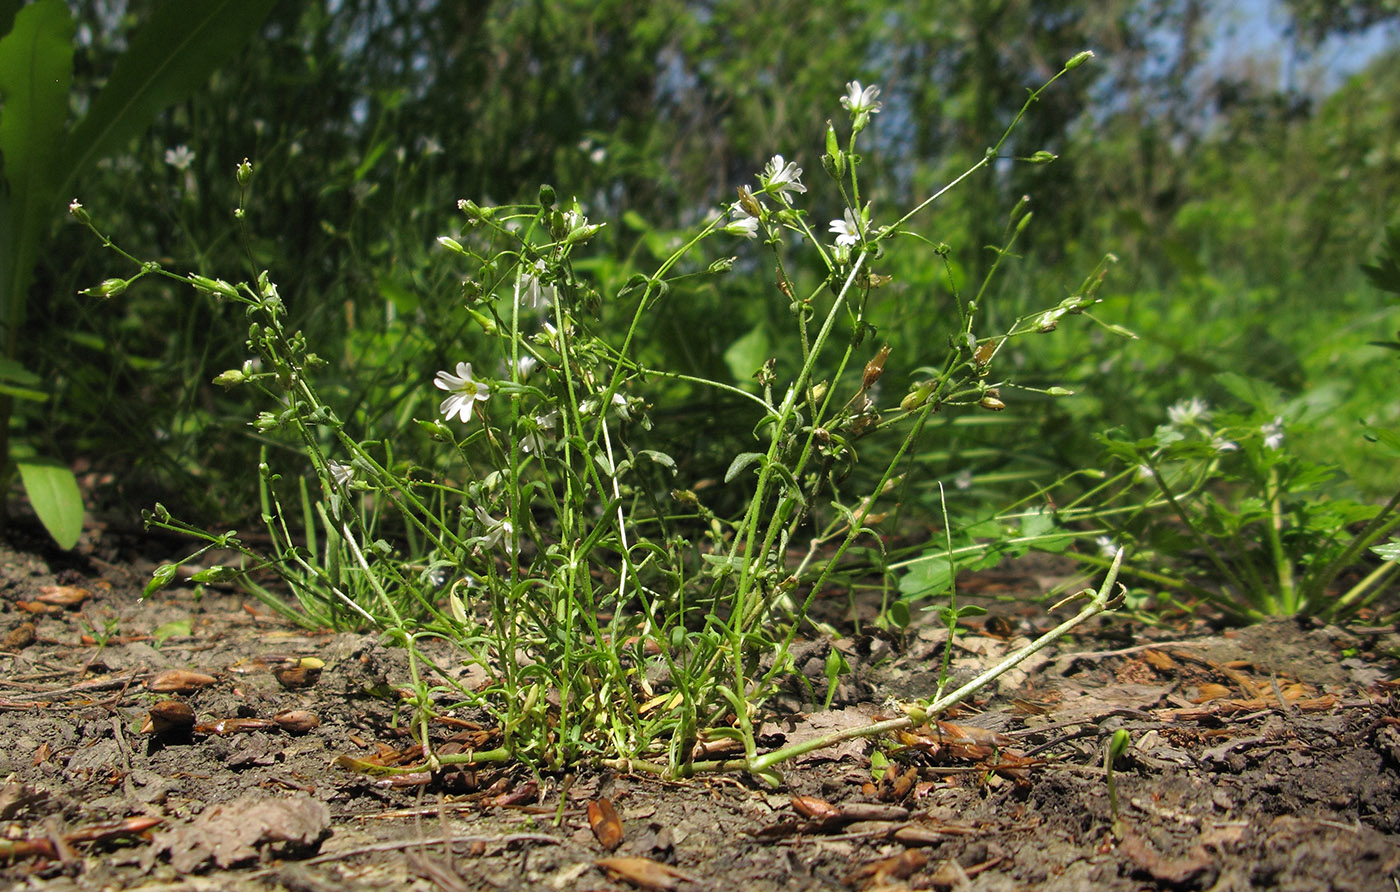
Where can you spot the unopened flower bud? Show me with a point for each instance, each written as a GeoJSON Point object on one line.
{"type": "Point", "coordinates": [1042, 157]}
{"type": "Point", "coordinates": [108, 288]}
{"type": "Point", "coordinates": [230, 378]}
{"type": "Point", "coordinates": [917, 396]}
{"type": "Point", "coordinates": [749, 204]}
{"type": "Point", "coordinates": [992, 401]}
{"type": "Point", "coordinates": [213, 286]}
{"type": "Point", "coordinates": [244, 172]}
{"type": "Point", "coordinates": [547, 195]}
{"type": "Point", "coordinates": [1079, 59]}
{"type": "Point", "coordinates": [451, 244]}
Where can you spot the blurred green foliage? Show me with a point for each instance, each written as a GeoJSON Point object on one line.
{"type": "Point", "coordinates": [1239, 212]}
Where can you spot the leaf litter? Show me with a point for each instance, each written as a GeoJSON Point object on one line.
{"type": "Point", "coordinates": [1266, 757]}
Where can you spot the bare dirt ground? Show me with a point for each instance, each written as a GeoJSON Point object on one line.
{"type": "Point", "coordinates": [1261, 758]}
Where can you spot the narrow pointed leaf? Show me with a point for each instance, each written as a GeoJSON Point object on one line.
{"type": "Point", "coordinates": [171, 56]}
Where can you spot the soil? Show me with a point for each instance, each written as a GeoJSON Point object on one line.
{"type": "Point", "coordinates": [1260, 758]}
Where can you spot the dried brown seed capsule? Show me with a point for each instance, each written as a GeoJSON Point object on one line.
{"type": "Point", "coordinates": [874, 368]}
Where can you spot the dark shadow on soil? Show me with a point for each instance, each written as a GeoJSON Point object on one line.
{"type": "Point", "coordinates": [1261, 758]}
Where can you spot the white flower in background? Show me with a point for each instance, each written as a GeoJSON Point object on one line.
{"type": "Point", "coordinates": [1273, 433]}
{"type": "Point", "coordinates": [747, 227]}
{"type": "Point", "coordinates": [781, 177]}
{"type": "Point", "coordinates": [525, 365]}
{"type": "Point", "coordinates": [861, 99]}
{"type": "Point", "coordinates": [179, 157]}
{"type": "Point", "coordinates": [847, 230]}
{"type": "Point", "coordinates": [429, 146]}
{"type": "Point", "coordinates": [1107, 547]}
{"type": "Point", "coordinates": [495, 530]}
{"type": "Point", "coordinates": [619, 403]}
{"type": "Point", "coordinates": [464, 390]}
{"type": "Point", "coordinates": [340, 472]}
{"type": "Point", "coordinates": [532, 293]}
{"type": "Point", "coordinates": [963, 479]}
{"type": "Point", "coordinates": [1220, 444]}
{"type": "Point", "coordinates": [1188, 412]}
{"type": "Point", "coordinates": [534, 441]}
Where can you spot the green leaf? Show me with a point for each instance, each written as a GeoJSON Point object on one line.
{"type": "Point", "coordinates": [53, 491]}
{"type": "Point", "coordinates": [748, 354]}
{"type": "Point", "coordinates": [180, 627]}
{"type": "Point", "coordinates": [741, 461]}
{"type": "Point", "coordinates": [36, 66]}
{"type": "Point", "coordinates": [1390, 551]}
{"type": "Point", "coordinates": [1385, 272]}
{"type": "Point", "coordinates": [1042, 526]}
{"type": "Point", "coordinates": [173, 54]}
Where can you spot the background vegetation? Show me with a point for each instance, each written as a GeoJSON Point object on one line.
{"type": "Point", "coordinates": [1239, 195]}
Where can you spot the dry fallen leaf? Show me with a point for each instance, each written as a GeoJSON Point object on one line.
{"type": "Point", "coordinates": [168, 716]}
{"type": "Point", "coordinates": [63, 595]}
{"type": "Point", "coordinates": [817, 809]}
{"type": "Point", "coordinates": [879, 873]}
{"type": "Point", "coordinates": [178, 681]}
{"type": "Point", "coordinates": [645, 873]}
{"type": "Point", "coordinates": [18, 638]}
{"type": "Point", "coordinates": [297, 721]}
{"type": "Point", "coordinates": [607, 826]}
{"type": "Point", "coordinates": [1158, 660]}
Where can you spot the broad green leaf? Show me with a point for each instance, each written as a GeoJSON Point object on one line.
{"type": "Point", "coordinates": [748, 354]}
{"type": "Point", "coordinates": [53, 491]}
{"type": "Point", "coordinates": [180, 627]}
{"type": "Point", "coordinates": [36, 66]}
{"type": "Point", "coordinates": [1043, 527]}
{"type": "Point", "coordinates": [173, 54]}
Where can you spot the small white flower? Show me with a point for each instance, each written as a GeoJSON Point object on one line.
{"type": "Point", "coordinates": [1107, 548]}
{"type": "Point", "coordinates": [1188, 412]}
{"type": "Point", "coordinates": [781, 177]}
{"type": "Point", "coordinates": [534, 441]}
{"type": "Point", "coordinates": [495, 530]}
{"type": "Point", "coordinates": [525, 365]}
{"type": "Point", "coordinates": [1144, 473]}
{"type": "Point", "coordinates": [429, 146]}
{"type": "Point", "coordinates": [963, 479]}
{"type": "Point", "coordinates": [341, 472]}
{"type": "Point", "coordinates": [1220, 444]}
{"type": "Point", "coordinates": [747, 227]}
{"type": "Point", "coordinates": [464, 390]}
{"type": "Point", "coordinates": [532, 293]}
{"type": "Point", "coordinates": [1273, 433]}
{"type": "Point", "coordinates": [179, 157]}
{"type": "Point", "coordinates": [858, 99]}
{"type": "Point", "coordinates": [847, 230]}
